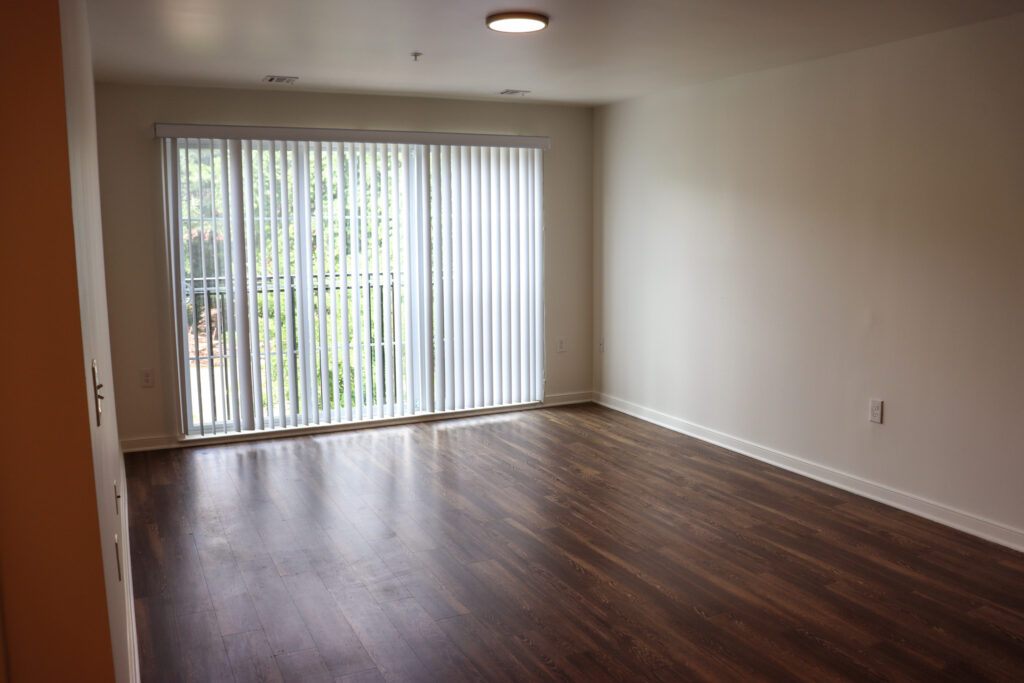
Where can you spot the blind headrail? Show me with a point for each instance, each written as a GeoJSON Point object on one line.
{"type": "Point", "coordinates": [192, 130]}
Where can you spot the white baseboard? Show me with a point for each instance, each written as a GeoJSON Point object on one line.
{"type": "Point", "coordinates": [937, 512]}
{"type": "Point", "coordinates": [567, 398]}
{"type": "Point", "coordinates": [148, 443]}
{"type": "Point", "coordinates": [152, 443]}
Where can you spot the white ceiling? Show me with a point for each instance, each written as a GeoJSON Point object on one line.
{"type": "Point", "coordinates": [594, 51]}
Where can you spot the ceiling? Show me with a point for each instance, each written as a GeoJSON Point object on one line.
{"type": "Point", "coordinates": [594, 51]}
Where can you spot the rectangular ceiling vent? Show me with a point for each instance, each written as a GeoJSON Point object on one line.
{"type": "Point", "coordinates": [513, 91]}
{"type": "Point", "coordinates": [287, 80]}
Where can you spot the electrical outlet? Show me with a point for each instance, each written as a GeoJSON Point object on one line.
{"type": "Point", "coordinates": [600, 345]}
{"type": "Point", "coordinates": [875, 410]}
{"type": "Point", "coordinates": [560, 346]}
{"type": "Point", "coordinates": [146, 378]}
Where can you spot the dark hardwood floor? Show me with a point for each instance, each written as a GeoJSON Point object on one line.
{"type": "Point", "coordinates": [571, 543]}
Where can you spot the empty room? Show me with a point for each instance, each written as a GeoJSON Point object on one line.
{"type": "Point", "coordinates": [405, 340]}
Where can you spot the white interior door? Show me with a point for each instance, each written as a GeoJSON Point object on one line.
{"type": "Point", "coordinates": [108, 461]}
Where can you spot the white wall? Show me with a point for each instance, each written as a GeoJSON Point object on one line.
{"type": "Point", "coordinates": [133, 222]}
{"type": "Point", "coordinates": [775, 249]}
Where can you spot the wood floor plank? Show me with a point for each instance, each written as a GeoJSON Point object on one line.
{"type": "Point", "coordinates": [371, 676]}
{"type": "Point", "coordinates": [389, 652]}
{"type": "Point", "coordinates": [338, 645]}
{"type": "Point", "coordinates": [571, 543]}
{"type": "Point", "coordinates": [236, 612]}
{"type": "Point", "coordinates": [438, 655]}
{"type": "Point", "coordinates": [160, 656]}
{"type": "Point", "coordinates": [304, 666]}
{"type": "Point", "coordinates": [206, 660]}
{"type": "Point", "coordinates": [281, 622]}
{"type": "Point", "coordinates": [251, 658]}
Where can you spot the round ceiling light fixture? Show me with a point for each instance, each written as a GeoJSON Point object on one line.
{"type": "Point", "coordinates": [517, 22]}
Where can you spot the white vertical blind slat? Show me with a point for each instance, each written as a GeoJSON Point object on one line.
{"type": "Point", "coordinates": [288, 372]}
{"type": "Point", "coordinates": [486, 278]}
{"type": "Point", "coordinates": [304, 333]}
{"type": "Point", "coordinates": [407, 220]}
{"type": "Point", "coordinates": [355, 237]}
{"type": "Point", "coordinates": [538, 278]}
{"type": "Point", "coordinates": [424, 228]}
{"type": "Point", "coordinates": [190, 231]}
{"type": "Point", "coordinates": [409, 271]}
{"type": "Point", "coordinates": [251, 286]}
{"type": "Point", "coordinates": [448, 341]}
{"type": "Point", "coordinates": [206, 287]}
{"type": "Point", "coordinates": [298, 225]}
{"type": "Point", "coordinates": [344, 274]}
{"type": "Point", "coordinates": [172, 211]}
{"type": "Point", "coordinates": [496, 291]}
{"type": "Point", "coordinates": [376, 303]}
{"type": "Point", "coordinates": [475, 276]}
{"type": "Point", "coordinates": [437, 277]}
{"type": "Point", "coordinates": [454, 227]}
{"type": "Point", "coordinates": [513, 276]}
{"type": "Point", "coordinates": [343, 288]}
{"type": "Point", "coordinates": [465, 291]}
{"type": "Point", "coordinates": [279, 225]}
{"type": "Point", "coordinates": [363, 288]}
{"type": "Point", "coordinates": [241, 331]}
{"type": "Point", "coordinates": [506, 312]}
{"type": "Point", "coordinates": [222, 270]}
{"type": "Point", "coordinates": [214, 326]}
{"type": "Point", "coordinates": [388, 218]}
{"type": "Point", "coordinates": [531, 329]}
{"type": "Point", "coordinates": [523, 277]}
{"type": "Point", "coordinates": [228, 340]}
{"type": "Point", "coordinates": [332, 291]}
{"type": "Point", "coordinates": [259, 274]}
{"type": "Point", "coordinates": [320, 315]}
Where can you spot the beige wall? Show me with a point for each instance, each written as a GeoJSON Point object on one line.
{"type": "Point", "coordinates": [133, 225]}
{"type": "Point", "coordinates": [773, 250]}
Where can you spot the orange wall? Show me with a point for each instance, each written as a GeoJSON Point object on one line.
{"type": "Point", "coordinates": [51, 574]}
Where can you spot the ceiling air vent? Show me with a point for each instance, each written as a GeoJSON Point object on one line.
{"type": "Point", "coordinates": [286, 80]}
{"type": "Point", "coordinates": [513, 91]}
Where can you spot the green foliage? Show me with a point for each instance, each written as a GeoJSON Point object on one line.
{"type": "Point", "coordinates": [271, 245]}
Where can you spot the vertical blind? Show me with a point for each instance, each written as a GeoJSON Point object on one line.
{"type": "Point", "coordinates": [324, 281]}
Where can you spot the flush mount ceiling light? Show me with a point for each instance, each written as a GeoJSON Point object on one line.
{"type": "Point", "coordinates": [517, 22]}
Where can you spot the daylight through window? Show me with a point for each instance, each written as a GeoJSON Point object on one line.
{"type": "Point", "coordinates": [328, 281]}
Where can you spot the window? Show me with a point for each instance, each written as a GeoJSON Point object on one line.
{"type": "Point", "coordinates": [322, 277]}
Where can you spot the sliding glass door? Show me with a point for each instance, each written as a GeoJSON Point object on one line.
{"type": "Point", "coordinates": [326, 281]}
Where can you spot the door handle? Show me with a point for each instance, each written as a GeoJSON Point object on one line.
{"type": "Point", "coordinates": [97, 396]}
{"type": "Point", "coordinates": [117, 556]}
